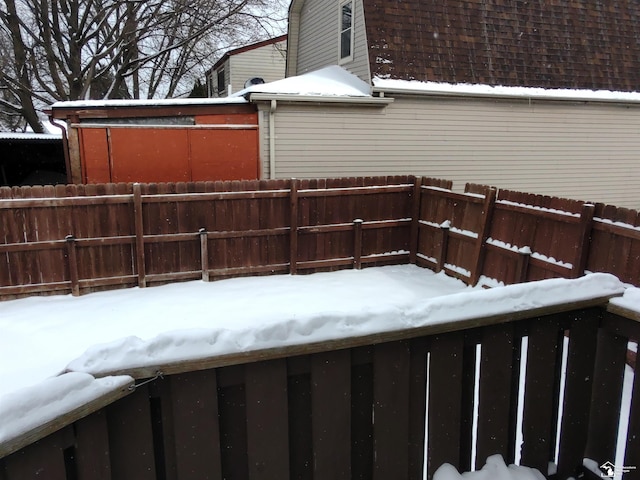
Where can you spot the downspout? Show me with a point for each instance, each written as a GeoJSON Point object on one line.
{"type": "Point", "coordinates": [272, 139]}
{"type": "Point", "coordinates": [65, 145]}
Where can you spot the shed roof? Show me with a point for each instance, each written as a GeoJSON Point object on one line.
{"type": "Point", "coordinates": [26, 137]}
{"type": "Point", "coordinates": [582, 44]}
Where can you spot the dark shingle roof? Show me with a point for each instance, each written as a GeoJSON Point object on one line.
{"type": "Point", "coordinates": [588, 44]}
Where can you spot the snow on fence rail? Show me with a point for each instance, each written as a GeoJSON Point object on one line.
{"type": "Point", "coordinates": [307, 411]}
{"type": "Point", "coordinates": [79, 238]}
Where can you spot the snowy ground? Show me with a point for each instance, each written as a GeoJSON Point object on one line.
{"type": "Point", "coordinates": [40, 337]}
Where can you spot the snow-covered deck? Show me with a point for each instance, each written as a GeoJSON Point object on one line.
{"type": "Point", "coordinates": [54, 350]}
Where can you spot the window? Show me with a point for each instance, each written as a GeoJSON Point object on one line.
{"type": "Point", "coordinates": [346, 31]}
{"type": "Point", "coordinates": [221, 82]}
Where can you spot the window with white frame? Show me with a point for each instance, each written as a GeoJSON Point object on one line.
{"type": "Point", "coordinates": [346, 31]}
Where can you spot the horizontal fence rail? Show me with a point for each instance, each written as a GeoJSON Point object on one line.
{"type": "Point", "coordinates": [81, 238]}
{"type": "Point", "coordinates": [389, 406]}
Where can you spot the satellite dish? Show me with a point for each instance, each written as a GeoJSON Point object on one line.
{"type": "Point", "coordinates": [253, 81]}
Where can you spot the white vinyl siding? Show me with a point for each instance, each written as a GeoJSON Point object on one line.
{"type": "Point", "coordinates": [267, 62]}
{"type": "Point", "coordinates": [582, 151]}
{"type": "Point", "coordinates": [319, 38]}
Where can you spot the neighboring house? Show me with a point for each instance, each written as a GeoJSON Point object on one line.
{"type": "Point", "coordinates": [429, 68]}
{"type": "Point", "coordinates": [259, 62]}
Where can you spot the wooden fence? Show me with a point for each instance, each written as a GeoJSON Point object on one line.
{"type": "Point", "coordinates": [80, 238]}
{"type": "Point", "coordinates": [356, 408]}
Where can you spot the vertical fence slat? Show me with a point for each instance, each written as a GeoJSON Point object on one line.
{"type": "Point", "coordinates": [391, 410]}
{"type": "Point", "coordinates": [232, 411]}
{"type": "Point", "coordinates": [445, 393]}
{"type": "Point", "coordinates": [331, 414]}
{"type": "Point", "coordinates": [361, 414]}
{"type": "Point", "coordinates": [357, 243]}
{"type": "Point", "coordinates": [417, 406]}
{"type": "Point", "coordinates": [139, 231]}
{"type": "Point", "coordinates": [204, 254]}
{"type": "Point", "coordinates": [194, 398]}
{"type": "Point", "coordinates": [582, 247]}
{"type": "Point", "coordinates": [443, 246]}
{"type": "Point", "coordinates": [93, 458]}
{"type": "Point", "coordinates": [72, 260]}
{"type": "Point", "coordinates": [577, 392]}
{"type": "Point", "coordinates": [522, 265]}
{"type": "Point", "coordinates": [608, 378]}
{"type": "Point", "coordinates": [267, 420]}
{"type": "Point", "coordinates": [540, 406]}
{"type": "Point", "coordinates": [483, 234]}
{"type": "Point", "coordinates": [496, 398]}
{"type": "Point", "coordinates": [415, 219]}
{"type": "Point", "coordinates": [131, 437]}
{"type": "Point", "coordinates": [632, 453]}
{"type": "Point", "coordinates": [293, 223]}
{"type": "Point", "coordinates": [301, 462]}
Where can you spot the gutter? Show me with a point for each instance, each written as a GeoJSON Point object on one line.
{"type": "Point", "coordinates": [65, 144]}
{"type": "Point", "coordinates": [272, 139]}
{"type": "Point", "coordinates": [320, 99]}
{"type": "Point", "coordinates": [383, 91]}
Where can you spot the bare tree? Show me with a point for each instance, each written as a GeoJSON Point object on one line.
{"type": "Point", "coordinates": [90, 49]}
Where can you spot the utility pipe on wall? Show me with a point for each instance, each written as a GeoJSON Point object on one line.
{"type": "Point", "coordinates": [272, 139]}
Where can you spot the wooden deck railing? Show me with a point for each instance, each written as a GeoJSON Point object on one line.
{"type": "Point", "coordinates": [357, 407]}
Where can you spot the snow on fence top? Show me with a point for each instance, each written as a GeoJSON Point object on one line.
{"type": "Point", "coordinates": [124, 330]}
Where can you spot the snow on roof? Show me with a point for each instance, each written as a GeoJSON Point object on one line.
{"type": "Point", "coordinates": [148, 103]}
{"type": "Point", "coordinates": [26, 136]}
{"type": "Point", "coordinates": [118, 330]}
{"type": "Point", "coordinates": [329, 81]}
{"type": "Point", "coordinates": [465, 89]}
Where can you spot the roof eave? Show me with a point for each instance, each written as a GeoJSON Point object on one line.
{"type": "Point", "coordinates": [320, 99]}
{"type": "Point", "coordinates": [383, 91]}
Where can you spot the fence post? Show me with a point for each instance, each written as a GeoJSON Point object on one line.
{"type": "Point", "coordinates": [72, 260]}
{"type": "Point", "coordinates": [137, 211]}
{"type": "Point", "coordinates": [293, 233]}
{"type": "Point", "coordinates": [480, 249]}
{"type": "Point", "coordinates": [522, 267]}
{"type": "Point", "coordinates": [415, 220]}
{"type": "Point", "coordinates": [357, 243]}
{"type": "Point", "coordinates": [204, 254]}
{"type": "Point", "coordinates": [584, 240]}
{"type": "Point", "coordinates": [444, 244]}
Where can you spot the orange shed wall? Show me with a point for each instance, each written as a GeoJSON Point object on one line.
{"type": "Point", "coordinates": [149, 155]}
{"type": "Point", "coordinates": [229, 150]}
{"type": "Point", "coordinates": [95, 148]}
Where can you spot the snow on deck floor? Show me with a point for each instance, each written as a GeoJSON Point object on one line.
{"type": "Point", "coordinates": [41, 337]}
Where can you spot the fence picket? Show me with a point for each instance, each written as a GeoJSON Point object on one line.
{"type": "Point", "coordinates": [497, 393]}
{"type": "Point", "coordinates": [139, 232]}
{"type": "Point", "coordinates": [540, 399]}
{"type": "Point", "coordinates": [391, 386]}
{"type": "Point", "coordinates": [267, 420]}
{"type": "Point", "coordinates": [331, 418]}
{"type": "Point", "coordinates": [579, 379]}
{"type": "Point", "coordinates": [445, 397]}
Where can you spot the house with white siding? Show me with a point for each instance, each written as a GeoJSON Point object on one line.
{"type": "Point", "coordinates": [531, 96]}
{"type": "Point", "coordinates": [259, 62]}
